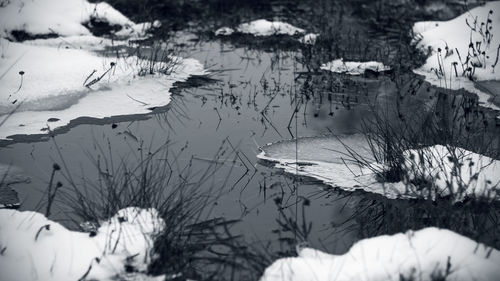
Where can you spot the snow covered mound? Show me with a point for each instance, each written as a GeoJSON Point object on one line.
{"type": "Point", "coordinates": [62, 17]}
{"type": "Point", "coordinates": [36, 248]}
{"type": "Point", "coordinates": [439, 170]}
{"type": "Point", "coordinates": [463, 50]}
{"type": "Point", "coordinates": [48, 87]}
{"type": "Point", "coordinates": [354, 68]}
{"type": "Point", "coordinates": [262, 28]}
{"type": "Point", "coordinates": [427, 254]}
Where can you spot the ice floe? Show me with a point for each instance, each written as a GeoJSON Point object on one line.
{"type": "Point", "coordinates": [463, 50]}
{"type": "Point", "coordinates": [353, 67]}
{"type": "Point", "coordinates": [426, 254]}
{"type": "Point", "coordinates": [446, 171]}
{"type": "Point", "coordinates": [35, 248]}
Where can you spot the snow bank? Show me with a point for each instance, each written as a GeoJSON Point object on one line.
{"type": "Point", "coordinates": [354, 68]}
{"type": "Point", "coordinates": [264, 27]}
{"type": "Point", "coordinates": [452, 172]}
{"type": "Point", "coordinates": [62, 17]}
{"type": "Point", "coordinates": [36, 248]}
{"type": "Point", "coordinates": [51, 90]}
{"type": "Point", "coordinates": [450, 44]}
{"type": "Point", "coordinates": [426, 254]}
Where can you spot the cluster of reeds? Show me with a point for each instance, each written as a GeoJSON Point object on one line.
{"type": "Point", "coordinates": [195, 244]}
{"type": "Point", "coordinates": [476, 56]}
{"type": "Point", "coordinates": [390, 138]}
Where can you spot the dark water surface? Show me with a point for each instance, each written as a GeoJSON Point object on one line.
{"type": "Point", "coordinates": [253, 92]}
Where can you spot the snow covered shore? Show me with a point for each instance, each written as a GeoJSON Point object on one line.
{"type": "Point", "coordinates": [44, 86]}
{"type": "Point", "coordinates": [35, 248]}
{"type": "Point", "coordinates": [464, 50]}
{"type": "Point", "coordinates": [427, 254]}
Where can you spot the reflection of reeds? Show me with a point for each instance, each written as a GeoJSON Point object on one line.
{"type": "Point", "coordinates": [371, 216]}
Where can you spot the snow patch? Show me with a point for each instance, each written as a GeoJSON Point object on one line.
{"type": "Point", "coordinates": [309, 39]}
{"type": "Point", "coordinates": [262, 27]}
{"type": "Point", "coordinates": [415, 255]}
{"type": "Point", "coordinates": [42, 83]}
{"type": "Point", "coordinates": [36, 248]}
{"type": "Point", "coordinates": [64, 18]}
{"type": "Point", "coordinates": [453, 39]}
{"type": "Point", "coordinates": [224, 31]}
{"type": "Point", "coordinates": [452, 172]}
{"type": "Point", "coordinates": [353, 67]}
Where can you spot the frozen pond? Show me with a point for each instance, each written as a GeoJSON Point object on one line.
{"type": "Point", "coordinates": [276, 87]}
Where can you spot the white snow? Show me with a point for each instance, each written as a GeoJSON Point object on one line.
{"type": "Point", "coordinates": [36, 248]}
{"type": "Point", "coordinates": [309, 39]}
{"type": "Point", "coordinates": [63, 17]}
{"type": "Point", "coordinates": [456, 35]}
{"type": "Point", "coordinates": [53, 86]}
{"type": "Point", "coordinates": [262, 27]}
{"type": "Point", "coordinates": [353, 67]}
{"type": "Point", "coordinates": [224, 31]}
{"type": "Point", "coordinates": [473, 175]}
{"type": "Point", "coordinates": [414, 255]}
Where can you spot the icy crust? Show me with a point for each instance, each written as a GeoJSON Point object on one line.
{"type": "Point", "coordinates": [453, 35]}
{"type": "Point", "coordinates": [427, 254]}
{"type": "Point", "coordinates": [443, 171]}
{"type": "Point", "coordinates": [63, 17]}
{"type": "Point", "coordinates": [53, 86]}
{"type": "Point", "coordinates": [36, 248]}
{"type": "Point", "coordinates": [353, 67]}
